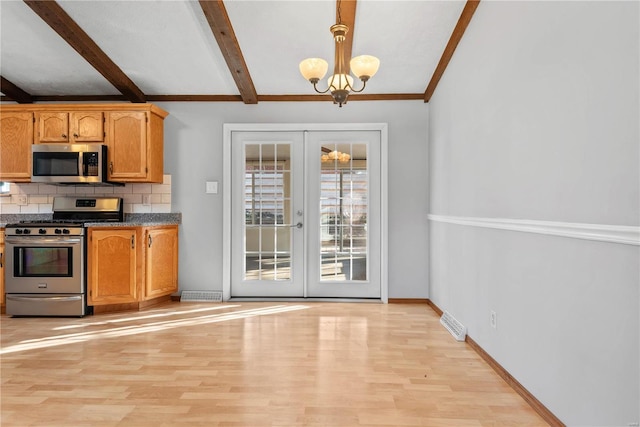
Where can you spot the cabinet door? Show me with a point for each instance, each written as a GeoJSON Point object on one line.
{"type": "Point", "coordinates": [16, 138]}
{"type": "Point", "coordinates": [52, 127]}
{"type": "Point", "coordinates": [111, 263]}
{"type": "Point", "coordinates": [2, 258]}
{"type": "Point", "coordinates": [87, 126]}
{"type": "Point", "coordinates": [161, 261]}
{"type": "Point", "coordinates": [127, 142]}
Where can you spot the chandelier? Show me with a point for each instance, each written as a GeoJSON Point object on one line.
{"type": "Point", "coordinates": [333, 155]}
{"type": "Point", "coordinates": [340, 83]}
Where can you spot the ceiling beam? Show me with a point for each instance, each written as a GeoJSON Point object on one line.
{"type": "Point", "coordinates": [53, 14]}
{"type": "Point", "coordinates": [346, 14]}
{"type": "Point", "coordinates": [465, 17]}
{"type": "Point", "coordinates": [221, 27]}
{"type": "Point", "coordinates": [14, 92]}
{"type": "Point", "coordinates": [352, 97]}
{"type": "Point", "coordinates": [227, 98]}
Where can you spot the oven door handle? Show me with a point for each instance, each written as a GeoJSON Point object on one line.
{"type": "Point", "coordinates": [39, 241]}
{"type": "Point", "coordinates": [44, 298]}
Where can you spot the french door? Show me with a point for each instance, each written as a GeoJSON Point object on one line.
{"type": "Point", "coordinates": [306, 214]}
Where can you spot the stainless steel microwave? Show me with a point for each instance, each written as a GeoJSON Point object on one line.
{"type": "Point", "coordinates": [69, 163]}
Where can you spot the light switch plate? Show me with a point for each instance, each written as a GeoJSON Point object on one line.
{"type": "Point", "coordinates": [211, 187]}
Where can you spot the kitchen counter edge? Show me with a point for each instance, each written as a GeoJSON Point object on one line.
{"type": "Point", "coordinates": [130, 220]}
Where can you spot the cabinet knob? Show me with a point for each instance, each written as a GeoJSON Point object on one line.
{"type": "Point", "coordinates": [64, 135]}
{"type": "Point", "coordinates": [110, 167]}
{"type": "Point", "coordinates": [133, 242]}
{"type": "Point", "coordinates": [150, 240]}
{"type": "Point", "coordinates": [75, 135]}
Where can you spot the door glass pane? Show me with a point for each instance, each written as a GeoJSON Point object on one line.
{"type": "Point", "coordinates": [344, 207]}
{"type": "Point", "coordinates": [267, 212]}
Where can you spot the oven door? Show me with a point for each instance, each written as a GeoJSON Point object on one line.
{"type": "Point", "coordinates": [44, 265]}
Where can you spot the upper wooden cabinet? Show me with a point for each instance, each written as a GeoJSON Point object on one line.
{"type": "Point", "coordinates": [16, 137]}
{"type": "Point", "coordinates": [70, 127]}
{"type": "Point", "coordinates": [135, 146]}
{"type": "Point", "coordinates": [134, 134]}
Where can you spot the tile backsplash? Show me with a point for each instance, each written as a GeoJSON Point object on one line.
{"type": "Point", "coordinates": [38, 198]}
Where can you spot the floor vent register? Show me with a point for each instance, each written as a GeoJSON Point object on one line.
{"type": "Point", "coordinates": [201, 296]}
{"type": "Point", "coordinates": [452, 325]}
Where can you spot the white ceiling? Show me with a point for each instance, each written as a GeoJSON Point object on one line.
{"type": "Point", "coordinates": [167, 47]}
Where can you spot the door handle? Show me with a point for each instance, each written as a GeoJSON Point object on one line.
{"type": "Point", "coordinates": [298, 225]}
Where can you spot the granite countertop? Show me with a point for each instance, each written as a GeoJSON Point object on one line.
{"type": "Point", "coordinates": [146, 220]}
{"type": "Point", "coordinates": [130, 220]}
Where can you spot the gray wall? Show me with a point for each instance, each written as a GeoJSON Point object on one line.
{"type": "Point", "coordinates": [536, 118]}
{"type": "Point", "coordinates": [193, 155]}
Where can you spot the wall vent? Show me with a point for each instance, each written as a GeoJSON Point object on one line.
{"type": "Point", "coordinates": [456, 328]}
{"type": "Point", "coordinates": [201, 296]}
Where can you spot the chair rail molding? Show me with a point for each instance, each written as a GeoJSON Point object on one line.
{"type": "Point", "coordinates": [628, 235]}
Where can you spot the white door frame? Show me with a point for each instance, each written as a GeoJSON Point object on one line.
{"type": "Point", "coordinates": [228, 128]}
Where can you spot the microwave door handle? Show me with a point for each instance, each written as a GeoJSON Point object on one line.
{"type": "Point", "coordinates": [82, 168]}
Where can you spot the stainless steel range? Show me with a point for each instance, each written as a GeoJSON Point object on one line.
{"type": "Point", "coordinates": [46, 260]}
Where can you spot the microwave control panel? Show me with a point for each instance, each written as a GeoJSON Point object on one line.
{"type": "Point", "coordinates": [91, 164]}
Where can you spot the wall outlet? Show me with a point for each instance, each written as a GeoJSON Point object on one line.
{"type": "Point", "coordinates": [493, 319]}
{"type": "Point", "coordinates": [21, 199]}
{"type": "Point", "coordinates": [146, 199]}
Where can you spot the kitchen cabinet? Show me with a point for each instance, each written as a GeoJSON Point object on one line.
{"type": "Point", "coordinates": [133, 133]}
{"type": "Point", "coordinates": [16, 138]}
{"type": "Point", "coordinates": [70, 127]}
{"type": "Point", "coordinates": [161, 260]}
{"type": "Point", "coordinates": [135, 146]}
{"type": "Point", "coordinates": [113, 264]}
{"type": "Point", "coordinates": [3, 257]}
{"type": "Point", "coordinates": [131, 267]}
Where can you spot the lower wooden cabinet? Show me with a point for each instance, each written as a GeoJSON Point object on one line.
{"type": "Point", "coordinates": [113, 256]}
{"type": "Point", "coordinates": [161, 261]}
{"type": "Point", "coordinates": [3, 257]}
{"type": "Point", "coordinates": [131, 265]}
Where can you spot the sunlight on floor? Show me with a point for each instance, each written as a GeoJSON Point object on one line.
{"type": "Point", "coordinates": [146, 328]}
{"type": "Point", "coordinates": [166, 313]}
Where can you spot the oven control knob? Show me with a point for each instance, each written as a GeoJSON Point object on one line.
{"type": "Point", "coordinates": [18, 231]}
{"type": "Point", "coordinates": [65, 231]}
{"type": "Point", "coordinates": [27, 231]}
{"type": "Point", "coordinates": [42, 231]}
{"type": "Point", "coordinates": [58, 231]}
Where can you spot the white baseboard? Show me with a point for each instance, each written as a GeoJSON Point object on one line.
{"type": "Point", "coordinates": [628, 235]}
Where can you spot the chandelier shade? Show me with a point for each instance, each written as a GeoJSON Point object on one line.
{"type": "Point", "coordinates": [334, 155]}
{"type": "Point", "coordinates": [365, 66]}
{"type": "Point", "coordinates": [314, 68]}
{"type": "Point", "coordinates": [340, 83]}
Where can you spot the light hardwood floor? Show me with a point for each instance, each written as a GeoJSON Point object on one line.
{"type": "Point", "coordinates": [250, 364]}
